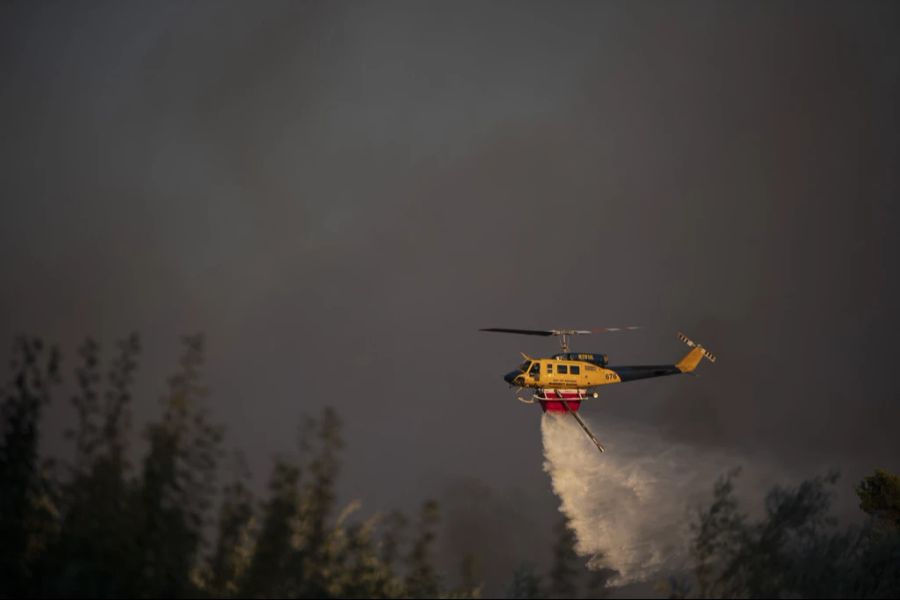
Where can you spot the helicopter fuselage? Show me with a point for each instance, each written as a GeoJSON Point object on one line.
{"type": "Point", "coordinates": [566, 371]}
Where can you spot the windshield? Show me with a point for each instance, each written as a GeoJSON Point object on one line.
{"type": "Point", "coordinates": [524, 366]}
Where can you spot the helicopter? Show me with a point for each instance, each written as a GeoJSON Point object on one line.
{"type": "Point", "coordinates": [563, 381]}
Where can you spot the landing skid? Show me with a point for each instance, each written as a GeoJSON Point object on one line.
{"type": "Point", "coordinates": [525, 400]}
{"type": "Point", "coordinates": [549, 394]}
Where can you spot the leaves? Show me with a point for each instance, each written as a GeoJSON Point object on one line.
{"type": "Point", "coordinates": [879, 496]}
{"type": "Point", "coordinates": [795, 549]}
{"type": "Point", "coordinates": [27, 498]}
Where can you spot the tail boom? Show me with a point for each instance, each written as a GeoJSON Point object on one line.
{"type": "Point", "coordinates": [687, 364]}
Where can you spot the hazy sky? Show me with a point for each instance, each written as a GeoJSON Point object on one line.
{"type": "Point", "coordinates": [340, 194]}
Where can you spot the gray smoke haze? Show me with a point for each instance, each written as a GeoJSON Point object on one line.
{"type": "Point", "coordinates": [340, 194]}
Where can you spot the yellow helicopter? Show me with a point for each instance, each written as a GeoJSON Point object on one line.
{"type": "Point", "coordinates": [562, 381]}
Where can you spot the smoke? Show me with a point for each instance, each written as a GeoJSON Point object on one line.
{"type": "Point", "coordinates": [631, 507]}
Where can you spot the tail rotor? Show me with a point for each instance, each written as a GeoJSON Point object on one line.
{"type": "Point", "coordinates": [692, 344]}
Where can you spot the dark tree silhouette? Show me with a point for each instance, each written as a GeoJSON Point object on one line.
{"type": "Point", "coordinates": [566, 564]}
{"type": "Point", "coordinates": [27, 501]}
{"type": "Point", "coordinates": [569, 575]}
{"type": "Point", "coordinates": [233, 550]}
{"type": "Point", "coordinates": [271, 572]}
{"type": "Point", "coordinates": [177, 483]}
{"type": "Point", "coordinates": [796, 549]}
{"type": "Point", "coordinates": [470, 577]}
{"type": "Point", "coordinates": [95, 549]}
{"type": "Point", "coordinates": [879, 496]}
{"type": "Point", "coordinates": [323, 443]}
{"type": "Point", "coordinates": [98, 528]}
{"type": "Point", "coordinates": [393, 537]}
{"type": "Point", "coordinates": [301, 550]}
{"type": "Point", "coordinates": [421, 578]}
{"type": "Point", "coordinates": [526, 582]}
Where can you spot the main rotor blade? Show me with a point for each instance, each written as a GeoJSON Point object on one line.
{"type": "Point", "coordinates": [547, 332]}
{"type": "Point", "coordinates": [612, 329]}
{"type": "Point", "coordinates": [519, 331]}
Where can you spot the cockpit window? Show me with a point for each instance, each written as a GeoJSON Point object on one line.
{"type": "Point", "coordinates": [524, 366]}
{"type": "Point", "coordinates": [535, 368]}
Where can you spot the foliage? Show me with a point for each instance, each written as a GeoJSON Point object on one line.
{"type": "Point", "coordinates": [234, 546]}
{"type": "Point", "coordinates": [565, 562]}
{"type": "Point", "coordinates": [102, 527]}
{"type": "Point", "coordinates": [879, 496]}
{"type": "Point", "coordinates": [27, 503]}
{"type": "Point", "coordinates": [569, 575]}
{"type": "Point", "coordinates": [421, 579]}
{"type": "Point", "coordinates": [95, 547]}
{"type": "Point", "coordinates": [796, 548]}
{"type": "Point", "coordinates": [526, 583]}
{"type": "Point", "coordinates": [177, 480]}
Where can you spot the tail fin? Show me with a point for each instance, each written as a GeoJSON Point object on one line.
{"type": "Point", "coordinates": [692, 358]}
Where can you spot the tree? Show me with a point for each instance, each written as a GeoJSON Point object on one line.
{"type": "Point", "coordinates": [94, 551]}
{"type": "Point", "coordinates": [177, 482]}
{"type": "Point", "coordinates": [566, 568]}
{"type": "Point", "coordinates": [421, 578]}
{"type": "Point", "coordinates": [598, 582]}
{"type": "Point", "coordinates": [469, 577]}
{"type": "Point", "coordinates": [27, 503]}
{"type": "Point", "coordinates": [796, 549]}
{"type": "Point", "coordinates": [234, 549]}
{"type": "Point", "coordinates": [393, 537]}
{"type": "Point", "coordinates": [300, 552]}
{"type": "Point", "coordinates": [526, 582]}
{"type": "Point", "coordinates": [877, 573]}
{"type": "Point", "coordinates": [358, 571]}
{"type": "Point", "coordinates": [322, 442]}
{"type": "Point", "coordinates": [879, 496]}
{"type": "Point", "coordinates": [271, 571]}
{"type": "Point", "coordinates": [719, 532]}
{"type": "Point", "coordinates": [98, 529]}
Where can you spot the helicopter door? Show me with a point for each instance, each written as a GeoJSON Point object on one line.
{"type": "Point", "coordinates": [535, 370]}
